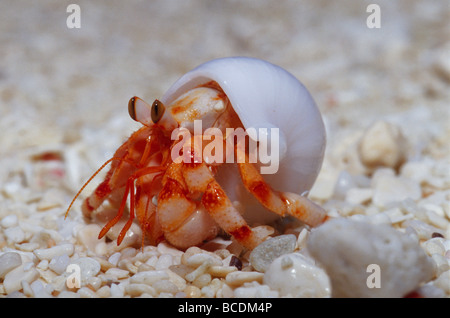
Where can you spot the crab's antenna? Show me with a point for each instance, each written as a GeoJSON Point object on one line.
{"type": "Point", "coordinates": [92, 177]}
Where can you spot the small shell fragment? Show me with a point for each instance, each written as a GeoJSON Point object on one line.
{"type": "Point", "coordinates": [295, 275]}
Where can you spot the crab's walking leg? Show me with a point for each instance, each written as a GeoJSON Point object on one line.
{"type": "Point", "coordinates": [187, 222]}
{"type": "Point", "coordinates": [146, 188]}
{"type": "Point", "coordinates": [129, 189]}
{"type": "Point", "coordinates": [225, 214]}
{"type": "Point", "coordinates": [106, 188]}
{"type": "Point", "coordinates": [280, 202]}
{"type": "Point", "coordinates": [122, 165]}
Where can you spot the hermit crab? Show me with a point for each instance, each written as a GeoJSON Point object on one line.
{"type": "Point", "coordinates": [200, 164]}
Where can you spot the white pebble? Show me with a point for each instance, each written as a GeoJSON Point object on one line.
{"type": "Point", "coordinates": [433, 207]}
{"type": "Point", "coordinates": [117, 291]}
{"type": "Point", "coordinates": [88, 236]}
{"type": "Point", "coordinates": [95, 282]}
{"type": "Point", "coordinates": [324, 187]}
{"type": "Point", "coordinates": [68, 294]}
{"type": "Point", "coordinates": [136, 290]}
{"type": "Point", "coordinates": [114, 259]}
{"type": "Point", "coordinates": [423, 230]}
{"type": "Point", "coordinates": [396, 215]}
{"type": "Point", "coordinates": [43, 265]}
{"type": "Point", "coordinates": [295, 275]}
{"type": "Point", "coordinates": [165, 248]}
{"type": "Point", "coordinates": [359, 195]}
{"type": "Point", "coordinates": [85, 292]}
{"type": "Point", "coordinates": [200, 258]}
{"type": "Point", "coordinates": [164, 261]}
{"type": "Point", "coordinates": [117, 273]}
{"type": "Point", "coordinates": [55, 251]}
{"type": "Point", "coordinates": [379, 218]}
{"type": "Point", "coordinates": [343, 184]}
{"type": "Point", "coordinates": [126, 264]}
{"type": "Point", "coordinates": [27, 247]}
{"type": "Point", "coordinates": [152, 261]}
{"type": "Point", "coordinates": [179, 281]}
{"type": "Point", "coordinates": [437, 220]}
{"type": "Point", "coordinates": [264, 254]}
{"type": "Point", "coordinates": [89, 267]}
{"type": "Point", "coordinates": [255, 290]}
{"type": "Point", "coordinates": [198, 271]}
{"type": "Point", "coordinates": [390, 189]}
{"type": "Point", "coordinates": [9, 221]}
{"type": "Point", "coordinates": [238, 278]}
{"type": "Point", "coordinates": [13, 279]}
{"type": "Point", "coordinates": [61, 282]}
{"type": "Point", "coordinates": [149, 277]}
{"type": "Point", "coordinates": [37, 287]}
{"type": "Point", "coordinates": [443, 281]}
{"type": "Point", "coordinates": [41, 291]}
{"type": "Point", "coordinates": [27, 291]}
{"type": "Point", "coordinates": [302, 239]}
{"type": "Point", "coordinates": [418, 171]}
{"type": "Point", "coordinates": [225, 292]}
{"type": "Point", "coordinates": [202, 280]}
{"type": "Point", "coordinates": [101, 248]}
{"type": "Point", "coordinates": [165, 286]}
{"type": "Point", "coordinates": [345, 248]}
{"type": "Point", "coordinates": [9, 261]}
{"type": "Point", "coordinates": [434, 246]}
{"type": "Point", "coordinates": [11, 189]}
{"type": "Point", "coordinates": [221, 271]}
{"type": "Point", "coordinates": [14, 234]}
{"type": "Point", "coordinates": [59, 264]}
{"type": "Point", "coordinates": [442, 264]}
{"type": "Point", "coordinates": [104, 292]}
{"type": "Point", "coordinates": [208, 292]}
{"type": "Point", "coordinates": [28, 265]}
{"type": "Point", "coordinates": [382, 145]}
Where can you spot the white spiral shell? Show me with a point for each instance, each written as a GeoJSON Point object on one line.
{"type": "Point", "coordinates": [265, 96]}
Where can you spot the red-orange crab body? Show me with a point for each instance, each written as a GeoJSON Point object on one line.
{"type": "Point", "coordinates": [167, 159]}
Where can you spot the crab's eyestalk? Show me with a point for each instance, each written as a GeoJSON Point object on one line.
{"type": "Point", "coordinates": [140, 111]}
{"type": "Point", "coordinates": [157, 112]}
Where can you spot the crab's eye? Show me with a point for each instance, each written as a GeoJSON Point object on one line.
{"type": "Point", "coordinates": [157, 111]}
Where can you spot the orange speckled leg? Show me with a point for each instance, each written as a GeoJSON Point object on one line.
{"type": "Point", "coordinates": [280, 202]}
{"type": "Point", "coordinates": [230, 220]}
{"type": "Point", "coordinates": [146, 188]}
{"type": "Point", "coordinates": [178, 211]}
{"type": "Point", "coordinates": [123, 165]}
{"type": "Point", "coordinates": [129, 189]}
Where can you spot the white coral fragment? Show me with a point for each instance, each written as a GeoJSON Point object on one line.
{"type": "Point", "coordinates": [367, 260]}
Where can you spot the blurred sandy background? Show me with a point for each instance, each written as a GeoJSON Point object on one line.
{"type": "Point", "coordinates": [61, 86]}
